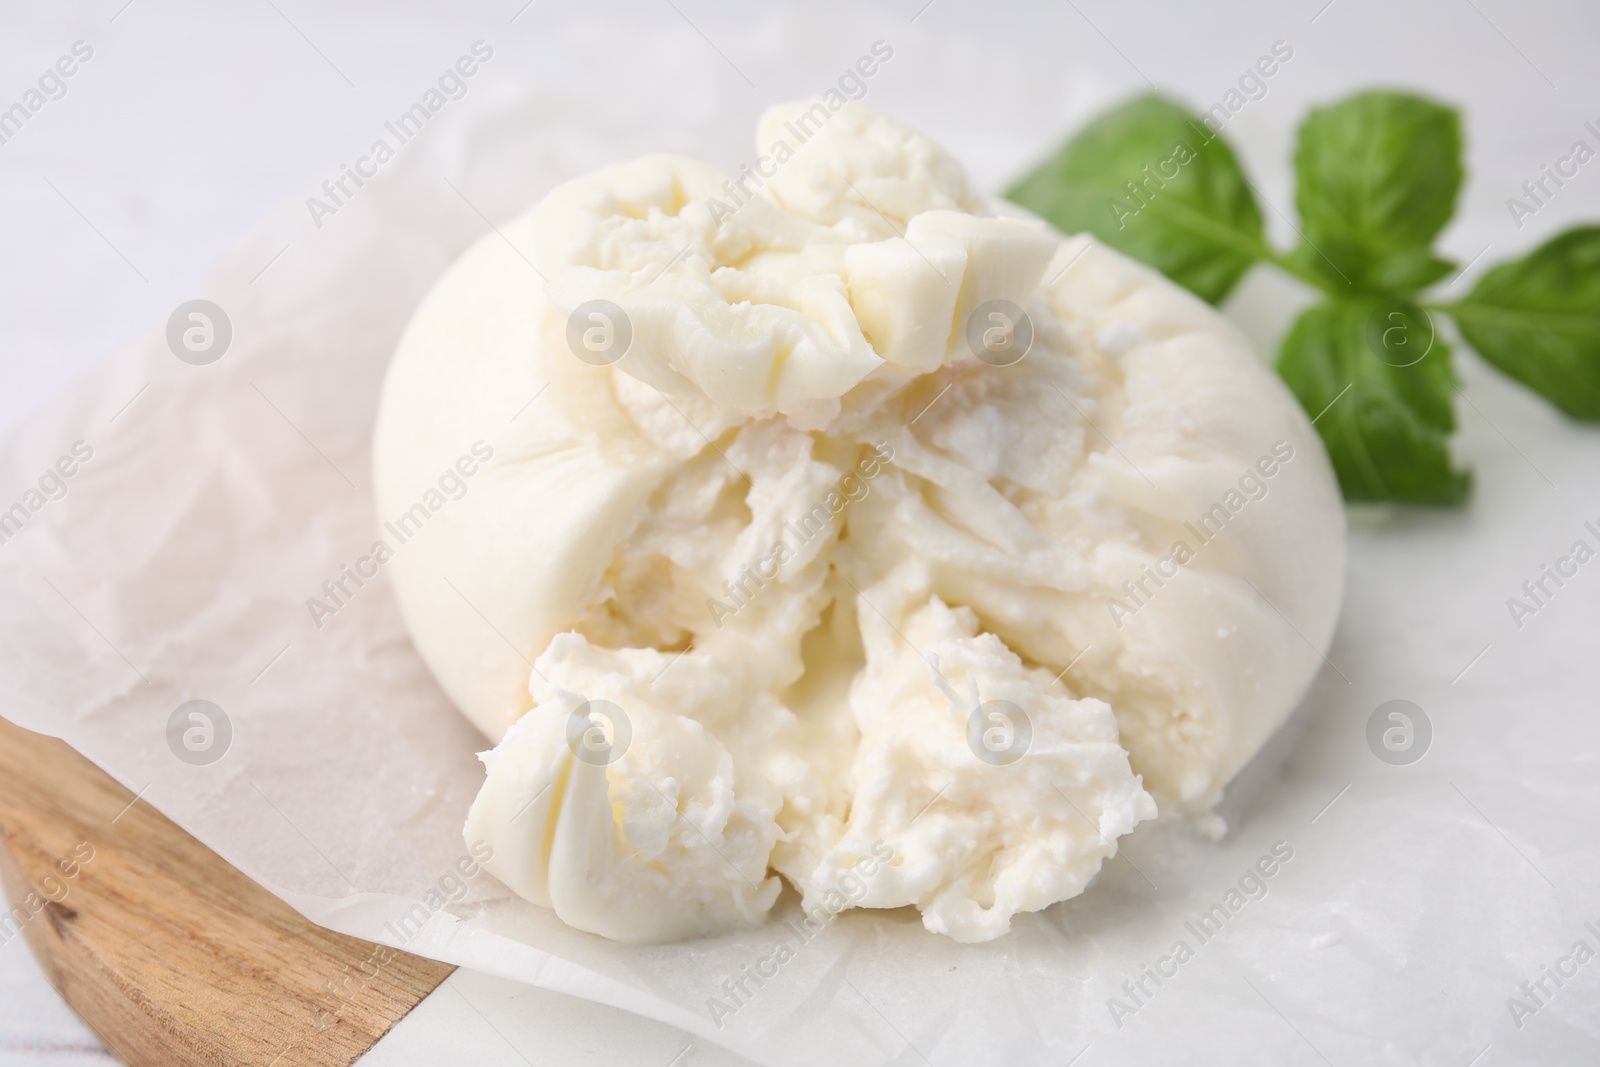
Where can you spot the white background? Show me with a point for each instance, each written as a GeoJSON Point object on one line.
{"type": "Point", "coordinates": [193, 120]}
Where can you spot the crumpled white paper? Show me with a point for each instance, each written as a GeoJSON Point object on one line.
{"type": "Point", "coordinates": [1404, 906]}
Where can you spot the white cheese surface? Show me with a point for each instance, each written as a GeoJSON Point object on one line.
{"type": "Point", "coordinates": [799, 580]}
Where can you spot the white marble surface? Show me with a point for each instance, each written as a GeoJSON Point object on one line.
{"type": "Point", "coordinates": [193, 120]}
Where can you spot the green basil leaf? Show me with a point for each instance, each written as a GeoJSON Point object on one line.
{"type": "Point", "coordinates": [1538, 319]}
{"type": "Point", "coordinates": [1149, 179]}
{"type": "Point", "coordinates": [1377, 175]}
{"type": "Point", "coordinates": [1377, 379]}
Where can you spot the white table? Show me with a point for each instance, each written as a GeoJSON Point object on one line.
{"type": "Point", "coordinates": [193, 120]}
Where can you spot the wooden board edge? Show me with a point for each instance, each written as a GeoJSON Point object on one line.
{"type": "Point", "coordinates": [167, 952]}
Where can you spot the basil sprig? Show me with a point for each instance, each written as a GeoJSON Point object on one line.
{"type": "Point", "coordinates": [1377, 177]}
{"type": "Point", "coordinates": [1149, 180]}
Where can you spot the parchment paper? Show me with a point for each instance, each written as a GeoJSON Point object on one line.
{"type": "Point", "coordinates": [218, 498]}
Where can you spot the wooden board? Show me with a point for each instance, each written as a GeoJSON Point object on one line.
{"type": "Point", "coordinates": [169, 954]}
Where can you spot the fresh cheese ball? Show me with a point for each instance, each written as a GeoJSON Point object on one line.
{"type": "Point", "coordinates": [808, 564]}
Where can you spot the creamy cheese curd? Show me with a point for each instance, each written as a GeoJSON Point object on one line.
{"type": "Point", "coordinates": [798, 579]}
